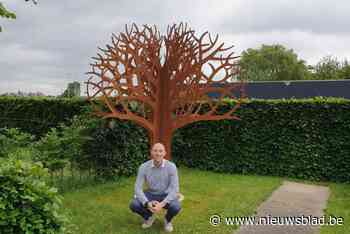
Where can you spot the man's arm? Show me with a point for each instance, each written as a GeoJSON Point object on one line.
{"type": "Point", "coordinates": [140, 195]}
{"type": "Point", "coordinates": [173, 188]}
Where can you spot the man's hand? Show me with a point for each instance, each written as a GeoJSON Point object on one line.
{"type": "Point", "coordinates": [155, 206]}
{"type": "Point", "coordinates": [159, 206]}
{"type": "Point", "coordinates": [151, 206]}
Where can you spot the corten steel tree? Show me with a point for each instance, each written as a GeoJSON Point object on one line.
{"type": "Point", "coordinates": [164, 82]}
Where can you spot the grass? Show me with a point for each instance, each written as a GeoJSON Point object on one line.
{"type": "Point", "coordinates": [71, 179]}
{"type": "Point", "coordinates": [104, 209]}
{"type": "Point", "coordinates": [339, 206]}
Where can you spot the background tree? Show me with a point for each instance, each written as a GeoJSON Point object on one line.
{"type": "Point", "coordinates": [344, 72]}
{"type": "Point", "coordinates": [327, 68]}
{"type": "Point", "coordinates": [8, 14]}
{"type": "Point", "coordinates": [164, 82]}
{"type": "Point", "coordinates": [330, 68]}
{"type": "Point", "coordinates": [273, 62]}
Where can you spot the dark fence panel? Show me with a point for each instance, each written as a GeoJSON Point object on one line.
{"type": "Point", "coordinates": [298, 89]}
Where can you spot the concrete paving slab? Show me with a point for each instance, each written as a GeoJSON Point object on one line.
{"type": "Point", "coordinates": [290, 200]}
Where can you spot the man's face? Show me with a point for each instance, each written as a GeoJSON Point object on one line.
{"type": "Point", "coordinates": [158, 152]}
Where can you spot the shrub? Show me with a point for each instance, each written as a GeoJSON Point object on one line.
{"type": "Point", "coordinates": [13, 139]}
{"type": "Point", "coordinates": [24, 154]}
{"type": "Point", "coordinates": [111, 148]}
{"type": "Point", "coordinates": [27, 204]}
{"type": "Point", "coordinates": [115, 148]}
{"type": "Point", "coordinates": [63, 145]}
{"type": "Point", "coordinates": [50, 150]}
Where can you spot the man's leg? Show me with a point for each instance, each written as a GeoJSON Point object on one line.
{"type": "Point", "coordinates": [173, 208]}
{"type": "Point", "coordinates": [137, 207]}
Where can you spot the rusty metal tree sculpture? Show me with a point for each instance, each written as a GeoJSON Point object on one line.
{"type": "Point", "coordinates": [163, 82]}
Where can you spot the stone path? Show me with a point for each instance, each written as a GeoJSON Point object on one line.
{"type": "Point", "coordinates": [290, 199]}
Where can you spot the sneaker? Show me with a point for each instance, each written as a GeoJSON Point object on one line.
{"type": "Point", "coordinates": [168, 227]}
{"type": "Point", "coordinates": [148, 223]}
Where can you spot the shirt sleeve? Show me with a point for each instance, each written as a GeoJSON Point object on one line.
{"type": "Point", "coordinates": [173, 188]}
{"type": "Point", "coordinates": [140, 195]}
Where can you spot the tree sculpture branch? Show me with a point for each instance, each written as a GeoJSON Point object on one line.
{"type": "Point", "coordinates": [127, 72]}
{"type": "Point", "coordinates": [164, 82]}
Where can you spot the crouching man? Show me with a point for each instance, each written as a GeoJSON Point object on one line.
{"type": "Point", "coordinates": [162, 182]}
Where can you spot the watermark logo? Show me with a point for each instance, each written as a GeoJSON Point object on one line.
{"type": "Point", "coordinates": [215, 220]}
{"type": "Point", "coordinates": [302, 220]}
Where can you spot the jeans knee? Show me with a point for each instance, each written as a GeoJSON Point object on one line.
{"type": "Point", "coordinates": [174, 208]}
{"type": "Point", "coordinates": [135, 205]}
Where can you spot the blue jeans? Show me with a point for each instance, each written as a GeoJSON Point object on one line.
{"type": "Point", "coordinates": [173, 208]}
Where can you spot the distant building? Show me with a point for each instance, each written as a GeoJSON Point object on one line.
{"type": "Point", "coordinates": [73, 90]}
{"type": "Point", "coordinates": [24, 94]}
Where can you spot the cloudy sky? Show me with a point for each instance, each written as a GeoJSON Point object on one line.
{"type": "Point", "coordinates": [51, 44]}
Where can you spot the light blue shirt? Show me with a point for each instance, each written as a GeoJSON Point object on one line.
{"type": "Point", "coordinates": [159, 180]}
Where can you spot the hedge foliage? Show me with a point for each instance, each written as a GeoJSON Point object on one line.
{"type": "Point", "coordinates": [114, 148]}
{"type": "Point", "coordinates": [61, 146]}
{"type": "Point", "coordinates": [27, 204]}
{"type": "Point", "coordinates": [36, 115]}
{"type": "Point", "coordinates": [299, 138]}
{"type": "Point", "coordinates": [306, 139]}
{"type": "Point", "coordinates": [108, 148]}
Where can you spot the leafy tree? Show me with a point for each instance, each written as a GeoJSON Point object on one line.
{"type": "Point", "coordinates": [327, 68]}
{"type": "Point", "coordinates": [5, 13]}
{"type": "Point", "coordinates": [344, 72]}
{"type": "Point", "coordinates": [330, 68]}
{"type": "Point", "coordinates": [8, 14]}
{"type": "Point", "coordinates": [273, 62]}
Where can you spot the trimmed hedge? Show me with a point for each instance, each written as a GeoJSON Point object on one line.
{"type": "Point", "coordinates": [299, 138]}
{"type": "Point", "coordinates": [114, 148]}
{"type": "Point", "coordinates": [36, 115]}
{"type": "Point", "coordinates": [306, 139]}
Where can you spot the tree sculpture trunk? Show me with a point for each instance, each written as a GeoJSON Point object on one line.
{"type": "Point", "coordinates": [162, 131]}
{"type": "Point", "coordinates": [164, 82]}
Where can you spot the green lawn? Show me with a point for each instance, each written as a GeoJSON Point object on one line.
{"type": "Point", "coordinates": [104, 209]}
{"type": "Point", "coordinates": [339, 206]}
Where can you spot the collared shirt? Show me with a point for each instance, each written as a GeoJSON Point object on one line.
{"type": "Point", "coordinates": [162, 165]}
{"type": "Point", "coordinates": [159, 180]}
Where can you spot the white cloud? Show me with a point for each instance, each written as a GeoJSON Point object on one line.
{"type": "Point", "coordinates": [51, 44]}
{"type": "Point", "coordinates": [23, 55]}
{"type": "Point", "coordinates": [309, 47]}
